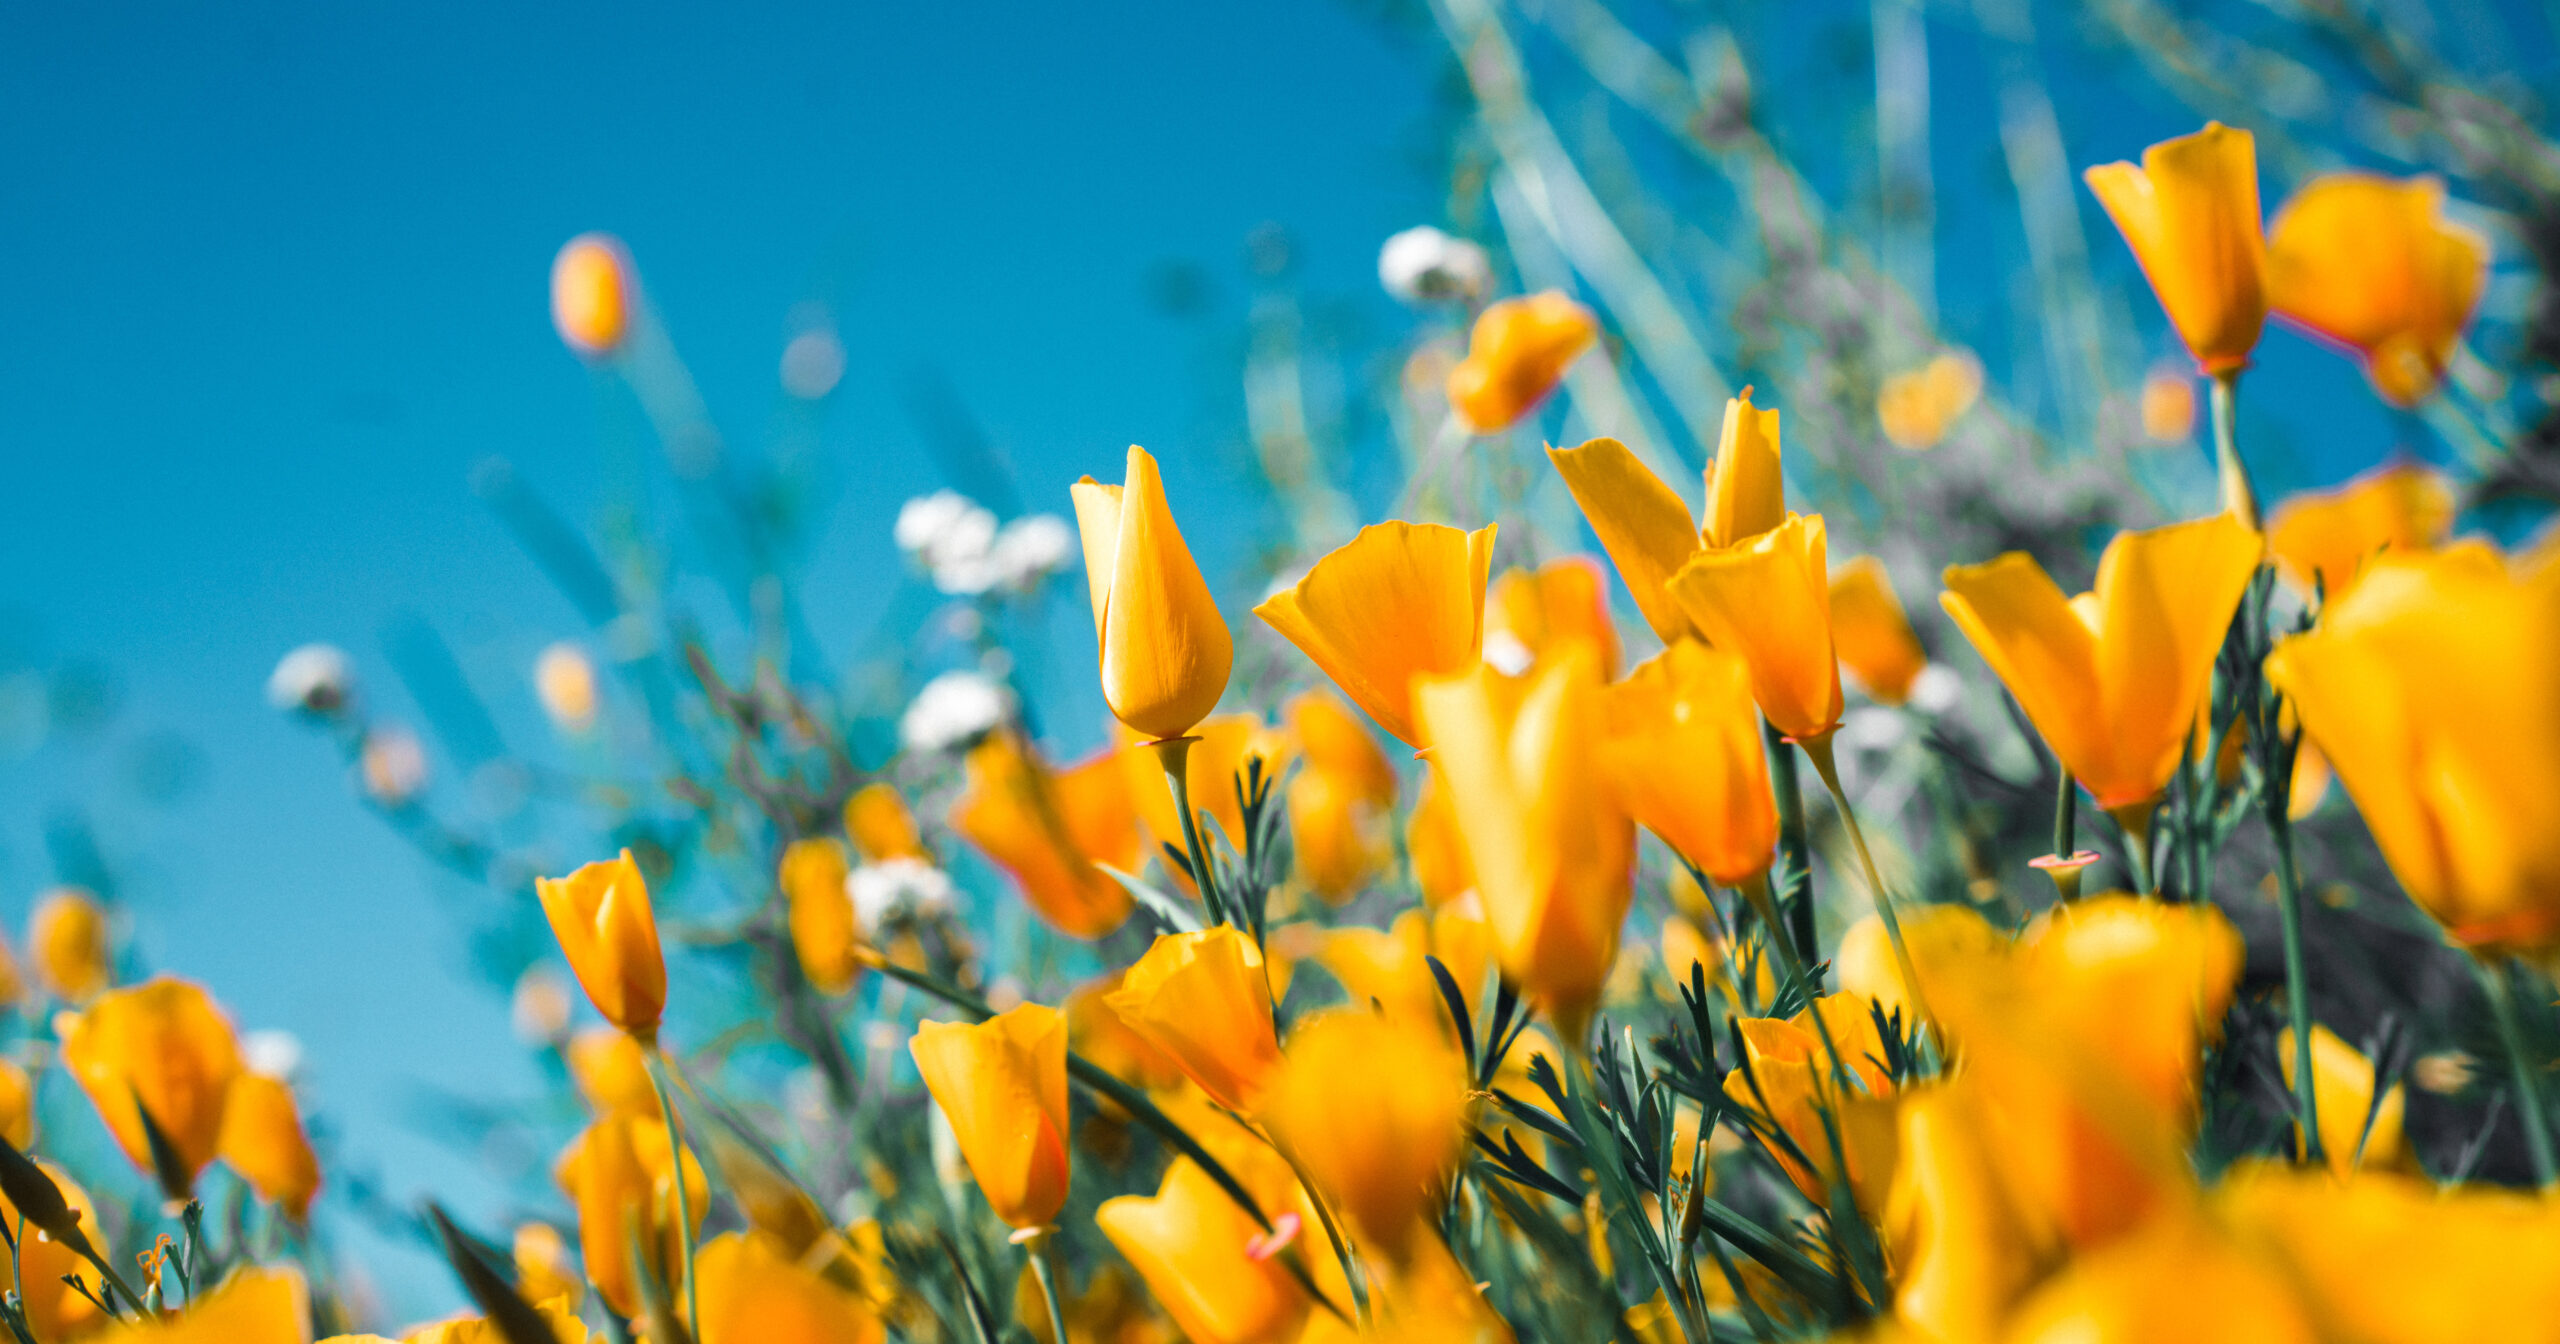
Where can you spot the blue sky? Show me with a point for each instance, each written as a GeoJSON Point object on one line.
{"type": "Point", "coordinates": [272, 282]}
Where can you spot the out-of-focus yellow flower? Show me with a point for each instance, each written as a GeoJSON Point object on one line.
{"type": "Point", "coordinates": [1374, 1111]}
{"type": "Point", "coordinates": [2178, 1279]}
{"type": "Point", "coordinates": [2112, 678]}
{"type": "Point", "coordinates": [775, 1206]}
{"type": "Point", "coordinates": [1049, 830]}
{"type": "Point", "coordinates": [263, 1140]}
{"type": "Point", "coordinates": [601, 916]}
{"type": "Point", "coordinates": [1800, 1082]}
{"type": "Point", "coordinates": [67, 939]}
{"type": "Point", "coordinates": [621, 1174]}
{"type": "Point", "coordinates": [1433, 845]}
{"type": "Point", "coordinates": [1964, 1249]}
{"type": "Point", "coordinates": [754, 1293]}
{"type": "Point", "coordinates": [2428, 687]}
{"type": "Point", "coordinates": [1189, 1242]}
{"type": "Point", "coordinates": [1516, 355]}
{"type": "Point", "coordinates": [543, 1269]}
{"type": "Point", "coordinates": [1872, 633]}
{"type": "Point", "coordinates": [13, 985]}
{"type": "Point", "coordinates": [2371, 263]}
{"type": "Point", "coordinates": [1400, 601]}
{"type": "Point", "coordinates": [557, 1313]}
{"type": "Point", "coordinates": [1746, 484]}
{"type": "Point", "coordinates": [1553, 854]}
{"type": "Point", "coordinates": [1165, 649]}
{"type": "Point", "coordinates": [2404, 1261]}
{"type": "Point", "coordinates": [1533, 614]}
{"type": "Point", "coordinates": [1215, 760]}
{"type": "Point", "coordinates": [1002, 1084]}
{"type": "Point", "coordinates": [611, 1071]}
{"type": "Point", "coordinates": [823, 932]}
{"type": "Point", "coordinates": [1769, 599]}
{"type": "Point", "coordinates": [1942, 938]}
{"type": "Point", "coordinates": [2086, 1041]}
{"type": "Point", "coordinates": [2321, 540]}
{"type": "Point", "coordinates": [253, 1304]}
{"type": "Point", "coordinates": [1387, 967]}
{"type": "Point", "coordinates": [1640, 521]}
{"type": "Point", "coordinates": [2342, 1084]}
{"type": "Point", "coordinates": [160, 1045]}
{"type": "Point", "coordinates": [1095, 1031]}
{"type": "Point", "coordinates": [1684, 754]}
{"type": "Point", "coordinates": [2168, 406]}
{"type": "Point", "coordinates": [1918, 407]}
{"type": "Point", "coordinates": [876, 819]}
{"type": "Point", "coordinates": [2190, 213]}
{"type": "Point", "coordinates": [566, 684]}
{"type": "Point", "coordinates": [54, 1308]}
{"type": "Point", "coordinates": [592, 294]}
{"type": "Point", "coordinates": [17, 1106]}
{"type": "Point", "coordinates": [1341, 803]}
{"type": "Point", "coordinates": [1202, 1000]}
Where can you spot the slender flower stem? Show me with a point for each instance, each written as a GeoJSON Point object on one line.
{"type": "Point", "coordinates": [2066, 814]}
{"type": "Point", "coordinates": [1175, 753]}
{"type": "Point", "coordinates": [1036, 1245]}
{"type": "Point", "coordinates": [1782, 778]}
{"type": "Point", "coordinates": [2537, 1121]}
{"type": "Point", "coordinates": [1818, 751]}
{"type": "Point", "coordinates": [684, 1202]}
{"type": "Point", "coordinates": [2238, 495]}
{"type": "Point", "coordinates": [2135, 819]}
{"type": "Point", "coordinates": [2297, 979]}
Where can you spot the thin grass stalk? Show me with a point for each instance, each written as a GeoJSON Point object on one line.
{"type": "Point", "coordinates": [1035, 1244]}
{"type": "Point", "coordinates": [1818, 751]}
{"type": "Point", "coordinates": [2529, 1102]}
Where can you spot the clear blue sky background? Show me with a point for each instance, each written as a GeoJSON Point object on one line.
{"type": "Point", "coordinates": [272, 281]}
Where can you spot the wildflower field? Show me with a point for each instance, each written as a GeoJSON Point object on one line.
{"type": "Point", "coordinates": [1732, 816]}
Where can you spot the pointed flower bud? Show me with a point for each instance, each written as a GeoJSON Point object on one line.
{"type": "Point", "coordinates": [1768, 598]}
{"type": "Point", "coordinates": [602, 918]}
{"type": "Point", "coordinates": [1203, 1001]}
{"type": "Point", "coordinates": [1165, 649]}
{"type": "Point", "coordinates": [2190, 213]}
{"type": "Point", "coordinates": [1002, 1084]}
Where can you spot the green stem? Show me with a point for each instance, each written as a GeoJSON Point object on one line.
{"type": "Point", "coordinates": [2066, 813]}
{"type": "Point", "coordinates": [1175, 753]}
{"type": "Point", "coordinates": [2297, 978]}
{"type": "Point", "coordinates": [1818, 751]}
{"type": "Point", "coordinates": [1797, 902]}
{"type": "Point", "coordinates": [1037, 1247]}
{"type": "Point", "coordinates": [2136, 823]}
{"type": "Point", "coordinates": [684, 1201]}
{"type": "Point", "coordinates": [2239, 497]}
{"type": "Point", "coordinates": [2537, 1122]}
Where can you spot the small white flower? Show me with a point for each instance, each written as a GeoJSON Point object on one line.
{"type": "Point", "coordinates": [313, 679]}
{"type": "Point", "coordinates": [393, 766]}
{"type": "Point", "coordinates": [953, 538]}
{"type": "Point", "coordinates": [1424, 265]}
{"type": "Point", "coordinates": [1030, 549]}
{"type": "Point", "coordinates": [565, 681]}
{"type": "Point", "coordinates": [893, 888]}
{"type": "Point", "coordinates": [1874, 728]}
{"type": "Point", "coordinates": [812, 364]}
{"type": "Point", "coordinates": [953, 708]}
{"type": "Point", "coordinates": [1936, 689]}
{"type": "Point", "coordinates": [272, 1054]}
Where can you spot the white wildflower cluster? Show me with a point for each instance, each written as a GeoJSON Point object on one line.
{"type": "Point", "coordinates": [966, 553]}
{"type": "Point", "coordinates": [313, 679]}
{"type": "Point", "coordinates": [896, 889]}
{"type": "Point", "coordinates": [952, 709]}
{"type": "Point", "coordinates": [1424, 265]}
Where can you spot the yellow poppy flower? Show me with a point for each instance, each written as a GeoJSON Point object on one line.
{"type": "Point", "coordinates": [1202, 999]}
{"type": "Point", "coordinates": [1872, 633]}
{"type": "Point", "coordinates": [620, 1172]}
{"type": "Point", "coordinates": [67, 939]}
{"type": "Point", "coordinates": [1768, 598]}
{"type": "Point", "coordinates": [753, 1292]}
{"type": "Point", "coordinates": [2370, 263]}
{"type": "Point", "coordinates": [1433, 845]}
{"type": "Point", "coordinates": [263, 1140]}
{"type": "Point", "coordinates": [2422, 687]}
{"type": "Point", "coordinates": [1534, 613]}
{"type": "Point", "coordinates": [1190, 1243]}
{"type": "Point", "coordinates": [2180, 1279]}
{"type": "Point", "coordinates": [161, 1045]}
{"type": "Point", "coordinates": [1399, 601]}
{"type": "Point", "coordinates": [253, 1304]}
{"type": "Point", "coordinates": [54, 1308]}
{"type": "Point", "coordinates": [1552, 852]}
{"type": "Point", "coordinates": [602, 918]}
{"type": "Point", "coordinates": [876, 819]}
{"type": "Point", "coordinates": [819, 912]}
{"type": "Point", "coordinates": [2342, 1088]}
{"type": "Point", "coordinates": [2112, 678]}
{"type": "Point", "coordinates": [1798, 1081]}
{"type": "Point", "coordinates": [1341, 802]}
{"type": "Point", "coordinates": [1002, 1084]}
{"type": "Point", "coordinates": [1374, 1111]}
{"type": "Point", "coordinates": [1049, 830]}
{"type": "Point", "coordinates": [1517, 353]}
{"type": "Point", "coordinates": [1165, 649]}
{"type": "Point", "coordinates": [2321, 540]}
{"type": "Point", "coordinates": [593, 294]}
{"type": "Point", "coordinates": [1683, 751]}
{"type": "Point", "coordinates": [2190, 213]}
